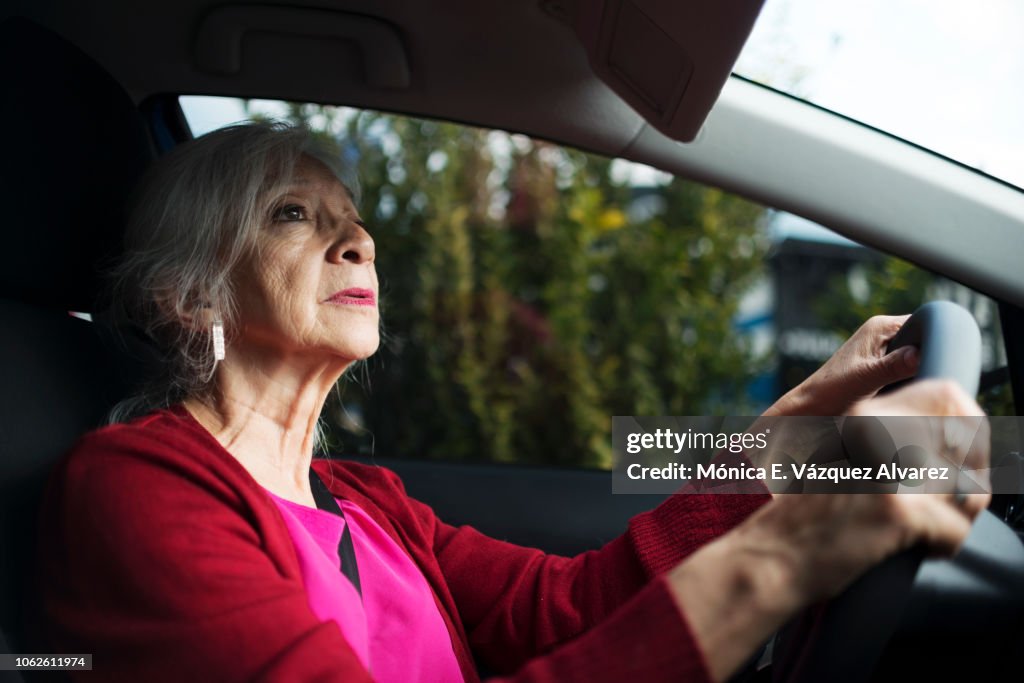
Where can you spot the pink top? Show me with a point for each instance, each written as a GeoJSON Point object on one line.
{"type": "Point", "coordinates": [396, 628]}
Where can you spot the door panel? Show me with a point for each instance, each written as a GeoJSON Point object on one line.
{"type": "Point", "coordinates": [562, 511]}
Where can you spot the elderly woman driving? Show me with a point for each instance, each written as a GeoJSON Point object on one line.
{"type": "Point", "coordinates": [197, 538]}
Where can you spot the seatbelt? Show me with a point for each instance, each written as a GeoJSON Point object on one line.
{"type": "Point", "coordinates": [346, 552]}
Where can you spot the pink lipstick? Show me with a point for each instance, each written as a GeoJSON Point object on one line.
{"type": "Point", "coordinates": [354, 296]}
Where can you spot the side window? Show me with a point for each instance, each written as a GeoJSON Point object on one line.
{"type": "Point", "coordinates": [826, 286]}
{"type": "Point", "coordinates": [529, 292]}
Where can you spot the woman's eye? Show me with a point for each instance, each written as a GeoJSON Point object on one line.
{"type": "Point", "coordinates": [290, 212]}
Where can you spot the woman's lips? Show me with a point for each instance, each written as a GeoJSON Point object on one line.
{"type": "Point", "coordinates": [354, 296]}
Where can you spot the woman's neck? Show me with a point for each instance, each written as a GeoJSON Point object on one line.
{"type": "Point", "coordinates": [266, 416]}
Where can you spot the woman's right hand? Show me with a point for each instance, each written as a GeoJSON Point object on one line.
{"type": "Point", "coordinates": [802, 548]}
{"type": "Point", "coordinates": [828, 540]}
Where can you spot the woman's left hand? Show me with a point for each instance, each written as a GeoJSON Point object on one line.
{"type": "Point", "coordinates": [854, 372]}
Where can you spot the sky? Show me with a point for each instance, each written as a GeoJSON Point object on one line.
{"type": "Point", "coordinates": [209, 113]}
{"type": "Point", "coordinates": [945, 74]}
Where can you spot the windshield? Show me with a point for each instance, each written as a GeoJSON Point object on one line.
{"type": "Point", "coordinates": [943, 74]}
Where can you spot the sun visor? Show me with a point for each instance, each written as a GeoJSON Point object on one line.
{"type": "Point", "coordinates": [669, 59]}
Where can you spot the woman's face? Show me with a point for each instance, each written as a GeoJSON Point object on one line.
{"type": "Point", "coordinates": [310, 288]}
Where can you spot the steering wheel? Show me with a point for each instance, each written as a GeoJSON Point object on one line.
{"type": "Point", "coordinates": [842, 640]}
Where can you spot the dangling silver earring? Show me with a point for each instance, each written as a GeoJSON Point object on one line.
{"type": "Point", "coordinates": [217, 332]}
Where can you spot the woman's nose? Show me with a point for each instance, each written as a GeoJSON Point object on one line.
{"type": "Point", "coordinates": [355, 247]}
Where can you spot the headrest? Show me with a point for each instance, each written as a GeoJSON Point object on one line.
{"type": "Point", "coordinates": [72, 147]}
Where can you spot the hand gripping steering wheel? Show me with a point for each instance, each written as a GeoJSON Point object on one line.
{"type": "Point", "coordinates": [841, 641]}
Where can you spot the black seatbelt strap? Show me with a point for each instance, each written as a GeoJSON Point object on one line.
{"type": "Point", "coordinates": [347, 554]}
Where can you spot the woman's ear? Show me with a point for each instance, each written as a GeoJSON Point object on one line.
{"type": "Point", "coordinates": [202, 317]}
{"type": "Point", "coordinates": [193, 312]}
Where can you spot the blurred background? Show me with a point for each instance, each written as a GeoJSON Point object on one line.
{"type": "Point", "coordinates": [529, 292]}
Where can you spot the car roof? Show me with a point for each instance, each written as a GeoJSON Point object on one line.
{"type": "Point", "coordinates": [508, 64]}
{"type": "Point", "coordinates": [518, 65]}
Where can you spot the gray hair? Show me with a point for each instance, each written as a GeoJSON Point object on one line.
{"type": "Point", "coordinates": [196, 215]}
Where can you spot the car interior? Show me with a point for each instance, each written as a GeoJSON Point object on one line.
{"type": "Point", "coordinates": [90, 98]}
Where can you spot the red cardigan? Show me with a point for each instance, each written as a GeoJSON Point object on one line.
{"type": "Point", "coordinates": [166, 560]}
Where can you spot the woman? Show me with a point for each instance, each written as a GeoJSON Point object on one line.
{"type": "Point", "coordinates": [196, 540]}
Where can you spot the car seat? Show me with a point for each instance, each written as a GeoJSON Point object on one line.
{"type": "Point", "coordinates": [75, 145]}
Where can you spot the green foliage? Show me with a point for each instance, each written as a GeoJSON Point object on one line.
{"type": "Point", "coordinates": [523, 306]}
{"type": "Point", "coordinates": [892, 286]}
